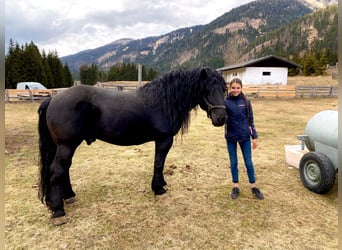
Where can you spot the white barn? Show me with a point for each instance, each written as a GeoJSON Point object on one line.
{"type": "Point", "coordinates": [265, 70]}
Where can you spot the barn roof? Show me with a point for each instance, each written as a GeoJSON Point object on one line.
{"type": "Point", "coordinates": [267, 61]}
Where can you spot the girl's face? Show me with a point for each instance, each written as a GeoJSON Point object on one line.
{"type": "Point", "coordinates": [235, 89]}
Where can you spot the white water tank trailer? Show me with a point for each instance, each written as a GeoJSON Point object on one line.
{"type": "Point", "coordinates": [319, 166]}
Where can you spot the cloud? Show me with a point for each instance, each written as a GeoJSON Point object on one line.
{"type": "Point", "coordinates": [72, 26]}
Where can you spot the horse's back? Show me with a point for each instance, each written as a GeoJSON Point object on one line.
{"type": "Point", "coordinates": [92, 94]}
{"type": "Point", "coordinates": [75, 94]}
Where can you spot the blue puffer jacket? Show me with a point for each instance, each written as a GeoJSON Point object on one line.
{"type": "Point", "coordinates": [237, 127]}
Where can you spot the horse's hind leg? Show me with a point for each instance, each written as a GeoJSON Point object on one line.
{"type": "Point", "coordinates": [68, 193]}
{"type": "Point", "coordinates": [59, 180]}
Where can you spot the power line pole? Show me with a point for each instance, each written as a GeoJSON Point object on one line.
{"type": "Point", "coordinates": [139, 75]}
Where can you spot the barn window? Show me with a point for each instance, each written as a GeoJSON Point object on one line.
{"type": "Point", "coordinates": [266, 73]}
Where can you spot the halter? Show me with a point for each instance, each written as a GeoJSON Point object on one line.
{"type": "Point", "coordinates": [210, 106]}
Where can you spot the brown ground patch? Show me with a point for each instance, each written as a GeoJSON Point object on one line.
{"type": "Point", "coordinates": [325, 80]}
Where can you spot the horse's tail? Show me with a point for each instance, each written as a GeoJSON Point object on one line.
{"type": "Point", "coordinates": [47, 150]}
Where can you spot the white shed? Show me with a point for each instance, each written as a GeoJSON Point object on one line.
{"type": "Point", "coordinates": [265, 70]}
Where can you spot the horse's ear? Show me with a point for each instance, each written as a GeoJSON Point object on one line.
{"type": "Point", "coordinates": [203, 74]}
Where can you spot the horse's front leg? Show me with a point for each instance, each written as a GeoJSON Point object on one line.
{"type": "Point", "coordinates": [161, 150]}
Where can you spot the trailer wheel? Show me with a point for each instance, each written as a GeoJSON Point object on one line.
{"type": "Point", "coordinates": [317, 172]}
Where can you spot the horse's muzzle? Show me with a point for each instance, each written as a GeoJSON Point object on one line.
{"type": "Point", "coordinates": [218, 117]}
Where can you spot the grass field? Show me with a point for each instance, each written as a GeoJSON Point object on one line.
{"type": "Point", "coordinates": [117, 210]}
{"type": "Point", "coordinates": [325, 80]}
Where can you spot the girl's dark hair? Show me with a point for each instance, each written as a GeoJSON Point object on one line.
{"type": "Point", "coordinates": [238, 81]}
{"type": "Point", "coordinates": [235, 80]}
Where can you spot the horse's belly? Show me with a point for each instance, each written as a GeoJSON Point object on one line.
{"type": "Point", "coordinates": [126, 140]}
{"type": "Point", "coordinates": [129, 128]}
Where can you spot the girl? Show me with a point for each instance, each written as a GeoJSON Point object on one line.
{"type": "Point", "coordinates": [240, 129]}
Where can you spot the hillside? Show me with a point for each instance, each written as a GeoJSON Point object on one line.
{"type": "Point", "coordinates": [241, 34]}
{"type": "Point", "coordinates": [318, 4]}
{"type": "Point", "coordinates": [315, 31]}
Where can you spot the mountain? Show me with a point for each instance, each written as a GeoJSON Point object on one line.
{"type": "Point", "coordinates": [316, 31]}
{"type": "Point", "coordinates": [240, 34]}
{"type": "Point", "coordinates": [318, 4]}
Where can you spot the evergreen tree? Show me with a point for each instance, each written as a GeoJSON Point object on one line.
{"type": "Point", "coordinates": [103, 77]}
{"type": "Point", "coordinates": [113, 73]}
{"type": "Point", "coordinates": [32, 63]}
{"type": "Point", "coordinates": [83, 74]}
{"type": "Point", "coordinates": [89, 74]}
{"type": "Point", "coordinates": [309, 64]}
{"type": "Point", "coordinates": [67, 77]}
{"type": "Point", "coordinates": [151, 74]}
{"type": "Point", "coordinates": [13, 65]}
{"type": "Point", "coordinates": [48, 76]}
{"type": "Point", "coordinates": [56, 69]}
{"type": "Point", "coordinates": [129, 72]}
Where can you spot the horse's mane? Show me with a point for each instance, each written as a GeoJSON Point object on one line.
{"type": "Point", "coordinates": [177, 93]}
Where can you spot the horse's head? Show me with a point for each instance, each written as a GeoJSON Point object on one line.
{"type": "Point", "coordinates": [212, 99]}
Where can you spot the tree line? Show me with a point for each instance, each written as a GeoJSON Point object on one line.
{"type": "Point", "coordinates": [25, 63]}
{"type": "Point", "coordinates": [314, 62]}
{"type": "Point", "coordinates": [90, 74]}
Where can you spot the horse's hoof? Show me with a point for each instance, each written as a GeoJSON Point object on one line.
{"type": "Point", "coordinates": [70, 200]}
{"type": "Point", "coordinates": [57, 221]}
{"type": "Point", "coordinates": [160, 191]}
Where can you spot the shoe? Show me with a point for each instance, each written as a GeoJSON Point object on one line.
{"type": "Point", "coordinates": [235, 193]}
{"type": "Point", "coordinates": [257, 193]}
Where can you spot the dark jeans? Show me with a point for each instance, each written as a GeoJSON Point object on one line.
{"type": "Point", "coordinates": [246, 150]}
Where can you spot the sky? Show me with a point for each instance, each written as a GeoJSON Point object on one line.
{"type": "Point", "coordinates": [71, 26]}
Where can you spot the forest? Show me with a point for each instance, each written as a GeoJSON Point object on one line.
{"type": "Point", "coordinates": [90, 74]}
{"type": "Point", "coordinates": [25, 63]}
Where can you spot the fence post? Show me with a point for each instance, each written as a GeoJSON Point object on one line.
{"type": "Point", "coordinates": [277, 90]}
{"type": "Point", "coordinates": [6, 95]}
{"type": "Point", "coordinates": [31, 95]}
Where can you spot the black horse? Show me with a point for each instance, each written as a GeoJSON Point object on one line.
{"type": "Point", "coordinates": [154, 112]}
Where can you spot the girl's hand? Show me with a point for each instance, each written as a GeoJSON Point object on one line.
{"type": "Point", "coordinates": [254, 143]}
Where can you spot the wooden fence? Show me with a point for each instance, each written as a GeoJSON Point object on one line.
{"type": "Point", "coordinates": [260, 91]}
{"type": "Point", "coordinates": [276, 91]}
{"type": "Point", "coordinates": [36, 95]}
{"type": "Point", "coordinates": [253, 91]}
{"type": "Point", "coordinates": [316, 91]}
{"type": "Point", "coordinates": [29, 95]}
{"type": "Point", "coordinates": [120, 85]}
